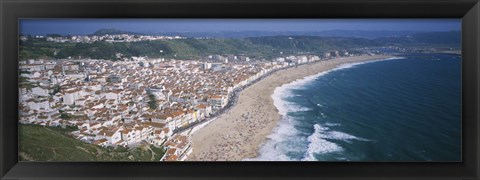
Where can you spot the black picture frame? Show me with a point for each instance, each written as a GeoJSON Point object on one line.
{"type": "Point", "coordinates": [12, 10]}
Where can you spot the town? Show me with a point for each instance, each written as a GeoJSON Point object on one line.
{"type": "Point", "coordinates": [142, 100]}
{"type": "Point", "coordinates": [111, 38]}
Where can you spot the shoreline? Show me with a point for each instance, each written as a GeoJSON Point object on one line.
{"type": "Point", "coordinates": [239, 132]}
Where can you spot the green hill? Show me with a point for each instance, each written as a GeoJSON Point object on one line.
{"type": "Point", "coordinates": [38, 143]}
{"type": "Point", "coordinates": [112, 31]}
{"type": "Point", "coordinates": [432, 39]}
{"type": "Point", "coordinates": [266, 47]}
{"type": "Point", "coordinates": [313, 44]}
{"type": "Point", "coordinates": [450, 37]}
{"type": "Point", "coordinates": [190, 48]}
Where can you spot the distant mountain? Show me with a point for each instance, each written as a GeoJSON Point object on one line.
{"type": "Point", "coordinates": [331, 33]}
{"type": "Point", "coordinates": [112, 31]}
{"type": "Point", "coordinates": [364, 34]}
{"type": "Point", "coordinates": [191, 48]}
{"type": "Point", "coordinates": [449, 37]}
{"type": "Point", "coordinates": [310, 43]}
{"type": "Point", "coordinates": [427, 37]}
{"type": "Point", "coordinates": [257, 47]}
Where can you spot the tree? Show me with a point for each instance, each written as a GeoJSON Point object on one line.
{"type": "Point", "coordinates": [65, 116]}
{"type": "Point", "coordinates": [54, 35]}
{"type": "Point", "coordinates": [153, 101]}
{"type": "Point", "coordinates": [56, 89]}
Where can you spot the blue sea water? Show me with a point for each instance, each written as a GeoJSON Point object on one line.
{"type": "Point", "coordinates": [403, 109]}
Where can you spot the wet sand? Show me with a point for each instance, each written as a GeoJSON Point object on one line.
{"type": "Point", "coordinates": [238, 133]}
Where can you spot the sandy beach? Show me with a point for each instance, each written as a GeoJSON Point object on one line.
{"type": "Point", "coordinates": [238, 133]}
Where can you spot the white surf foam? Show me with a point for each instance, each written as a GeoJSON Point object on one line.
{"type": "Point", "coordinates": [285, 138]}
{"type": "Point", "coordinates": [332, 124]}
{"type": "Point", "coordinates": [318, 145]}
{"type": "Point", "coordinates": [350, 65]}
{"type": "Point", "coordinates": [292, 107]}
{"type": "Point", "coordinates": [284, 106]}
{"type": "Point", "coordinates": [337, 135]}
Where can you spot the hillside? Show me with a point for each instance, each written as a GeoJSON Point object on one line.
{"type": "Point", "coordinates": [452, 38]}
{"type": "Point", "coordinates": [265, 47]}
{"type": "Point", "coordinates": [292, 44]}
{"type": "Point", "coordinates": [256, 47]}
{"type": "Point", "coordinates": [38, 143]}
{"type": "Point", "coordinates": [112, 31]}
{"type": "Point", "coordinates": [329, 33]}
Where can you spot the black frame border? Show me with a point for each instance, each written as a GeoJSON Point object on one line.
{"type": "Point", "coordinates": [12, 10]}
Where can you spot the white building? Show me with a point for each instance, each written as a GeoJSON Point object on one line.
{"type": "Point", "coordinates": [115, 95]}
{"type": "Point", "coordinates": [70, 96]}
{"type": "Point", "coordinates": [38, 91]}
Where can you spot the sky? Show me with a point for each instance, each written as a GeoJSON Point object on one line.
{"type": "Point", "coordinates": [89, 26]}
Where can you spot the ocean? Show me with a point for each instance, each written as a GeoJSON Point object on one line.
{"type": "Point", "coordinates": [404, 109]}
